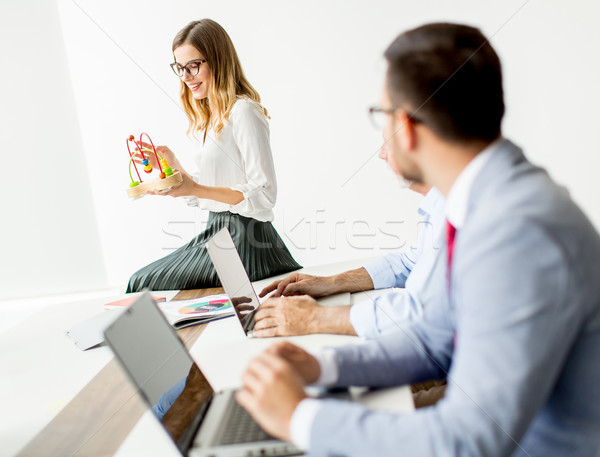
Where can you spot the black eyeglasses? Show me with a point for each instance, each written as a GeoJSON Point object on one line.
{"type": "Point", "coordinates": [378, 116]}
{"type": "Point", "coordinates": [192, 67]}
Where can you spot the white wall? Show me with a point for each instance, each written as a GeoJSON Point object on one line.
{"type": "Point", "coordinates": [318, 67]}
{"type": "Point", "coordinates": [48, 229]}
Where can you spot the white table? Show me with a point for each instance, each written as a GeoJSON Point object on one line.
{"type": "Point", "coordinates": [42, 370]}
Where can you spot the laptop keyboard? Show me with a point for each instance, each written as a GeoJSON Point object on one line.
{"type": "Point", "coordinates": [241, 428]}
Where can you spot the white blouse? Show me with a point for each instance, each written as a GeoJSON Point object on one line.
{"type": "Point", "coordinates": [240, 159]}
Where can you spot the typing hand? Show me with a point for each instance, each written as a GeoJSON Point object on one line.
{"type": "Point", "coordinates": [299, 284]}
{"type": "Point", "coordinates": [305, 364]}
{"type": "Point", "coordinates": [271, 391]}
{"type": "Point", "coordinates": [285, 316]}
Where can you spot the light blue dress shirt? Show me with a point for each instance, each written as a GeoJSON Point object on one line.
{"type": "Point", "coordinates": [410, 269]}
{"type": "Point", "coordinates": [516, 332]}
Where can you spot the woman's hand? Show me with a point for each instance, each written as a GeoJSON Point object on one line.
{"type": "Point", "coordinates": [162, 151]}
{"type": "Point", "coordinates": [188, 188]}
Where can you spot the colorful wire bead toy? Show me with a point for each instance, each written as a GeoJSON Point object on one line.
{"type": "Point", "coordinates": [167, 179]}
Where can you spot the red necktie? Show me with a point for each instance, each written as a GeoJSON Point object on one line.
{"type": "Point", "coordinates": [450, 235]}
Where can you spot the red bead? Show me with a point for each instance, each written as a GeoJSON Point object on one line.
{"type": "Point", "coordinates": [131, 138]}
{"type": "Point", "coordinates": [162, 176]}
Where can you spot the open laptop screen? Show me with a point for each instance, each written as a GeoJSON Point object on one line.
{"type": "Point", "coordinates": [232, 274]}
{"type": "Point", "coordinates": [158, 364]}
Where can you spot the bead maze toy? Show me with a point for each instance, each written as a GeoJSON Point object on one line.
{"type": "Point", "coordinates": [167, 177]}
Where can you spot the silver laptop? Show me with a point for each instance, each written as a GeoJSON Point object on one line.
{"type": "Point", "coordinates": [237, 285]}
{"type": "Point", "coordinates": [234, 278]}
{"type": "Point", "coordinates": [200, 421]}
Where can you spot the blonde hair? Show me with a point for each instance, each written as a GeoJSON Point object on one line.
{"type": "Point", "coordinates": [227, 79]}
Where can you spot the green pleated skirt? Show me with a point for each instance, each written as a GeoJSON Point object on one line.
{"type": "Point", "coordinates": [261, 249]}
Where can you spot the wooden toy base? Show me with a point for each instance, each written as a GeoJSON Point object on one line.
{"type": "Point", "coordinates": [158, 184]}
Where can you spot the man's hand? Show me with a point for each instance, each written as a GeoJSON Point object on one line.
{"type": "Point", "coordinates": [319, 286]}
{"type": "Point", "coordinates": [300, 284]}
{"type": "Point", "coordinates": [305, 364]}
{"type": "Point", "coordinates": [271, 391]}
{"type": "Point", "coordinates": [286, 316]}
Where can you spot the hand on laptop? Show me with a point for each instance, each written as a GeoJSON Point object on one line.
{"type": "Point", "coordinates": [357, 280]}
{"type": "Point", "coordinates": [272, 388]}
{"type": "Point", "coordinates": [303, 361]}
{"type": "Point", "coordinates": [286, 316]}
{"type": "Point", "coordinates": [300, 284]}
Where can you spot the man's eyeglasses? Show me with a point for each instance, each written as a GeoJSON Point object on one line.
{"type": "Point", "coordinates": [378, 116]}
{"type": "Point", "coordinates": [192, 67]}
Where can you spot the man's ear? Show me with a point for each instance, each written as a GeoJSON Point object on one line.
{"type": "Point", "coordinates": [406, 131]}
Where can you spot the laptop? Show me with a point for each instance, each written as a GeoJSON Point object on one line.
{"type": "Point", "coordinates": [234, 279]}
{"type": "Point", "coordinates": [237, 285]}
{"type": "Point", "coordinates": [203, 422]}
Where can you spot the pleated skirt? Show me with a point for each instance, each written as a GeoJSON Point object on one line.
{"type": "Point", "coordinates": [261, 249]}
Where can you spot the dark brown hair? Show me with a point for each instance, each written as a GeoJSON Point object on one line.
{"type": "Point", "coordinates": [450, 78]}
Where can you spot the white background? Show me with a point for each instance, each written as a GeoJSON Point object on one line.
{"type": "Point", "coordinates": [79, 76]}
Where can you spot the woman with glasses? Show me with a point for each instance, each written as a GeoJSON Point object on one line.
{"type": "Point", "coordinates": [235, 177]}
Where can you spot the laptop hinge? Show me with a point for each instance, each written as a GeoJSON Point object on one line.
{"type": "Point", "coordinates": [187, 437]}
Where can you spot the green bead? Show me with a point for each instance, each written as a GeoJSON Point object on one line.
{"type": "Point", "coordinates": [134, 183]}
{"type": "Point", "coordinates": [168, 171]}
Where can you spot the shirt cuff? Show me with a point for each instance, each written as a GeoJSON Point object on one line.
{"type": "Point", "coordinates": [191, 201]}
{"type": "Point", "coordinates": [247, 191]}
{"type": "Point", "coordinates": [302, 421]}
{"type": "Point", "coordinates": [364, 320]}
{"type": "Point", "coordinates": [329, 368]}
{"type": "Point", "coordinates": [381, 273]}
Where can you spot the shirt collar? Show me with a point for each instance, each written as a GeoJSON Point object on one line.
{"type": "Point", "coordinates": [458, 197]}
{"type": "Point", "coordinates": [429, 202]}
